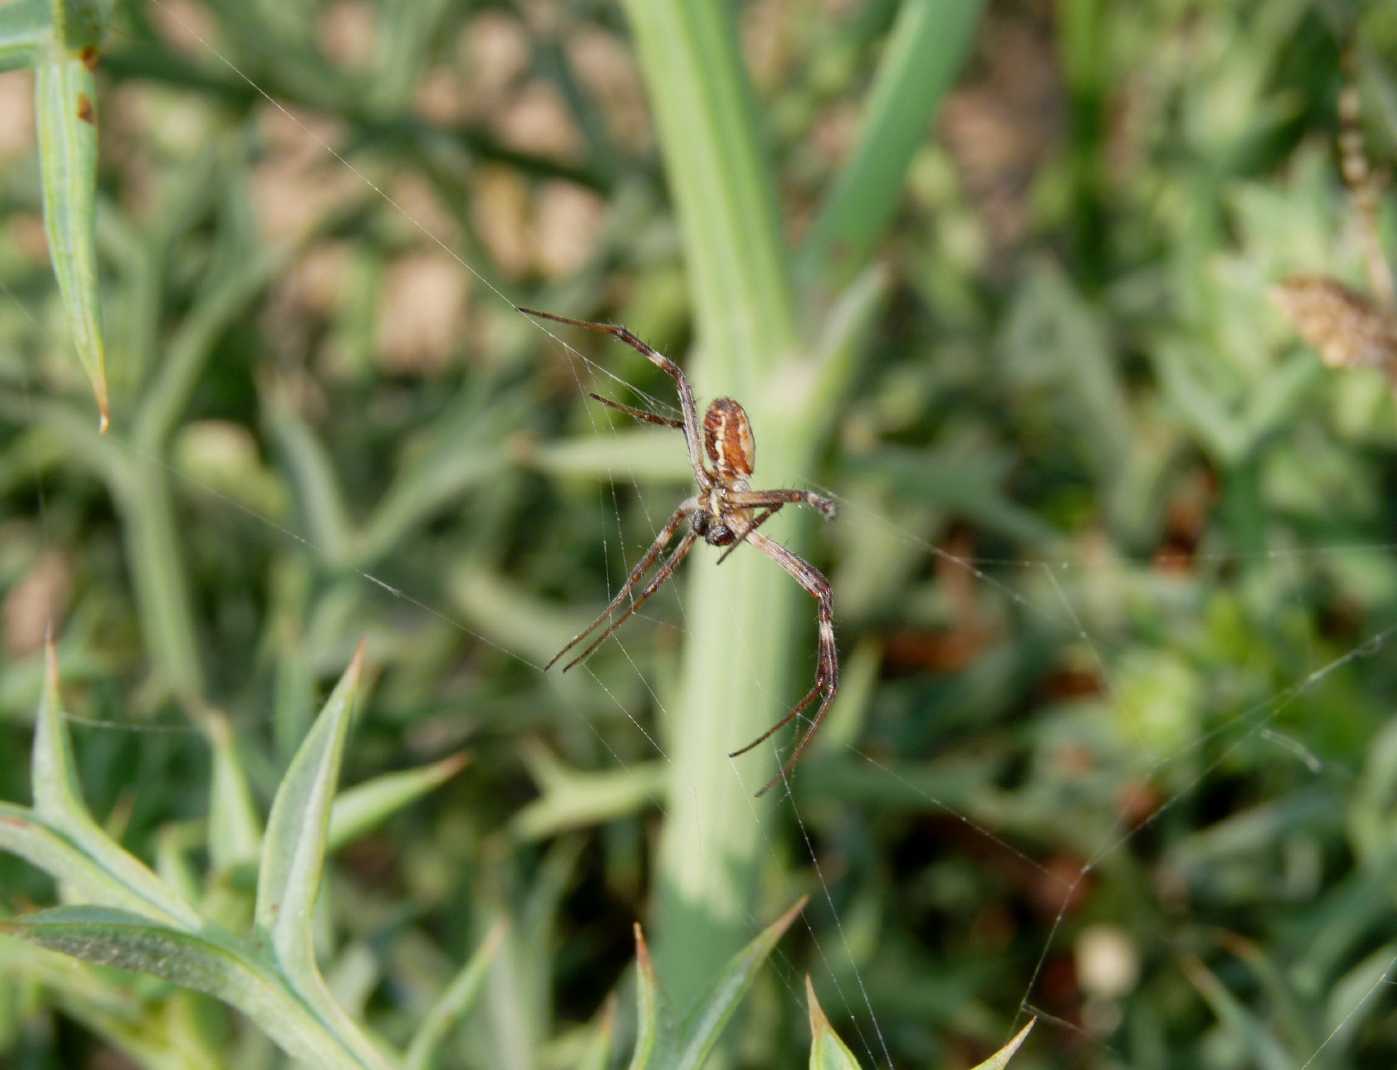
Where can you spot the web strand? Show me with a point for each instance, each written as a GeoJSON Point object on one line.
{"type": "Point", "coordinates": [1253, 722]}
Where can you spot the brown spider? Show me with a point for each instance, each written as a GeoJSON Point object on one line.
{"type": "Point", "coordinates": [724, 512]}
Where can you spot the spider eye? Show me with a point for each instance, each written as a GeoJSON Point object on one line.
{"type": "Point", "coordinates": [727, 439]}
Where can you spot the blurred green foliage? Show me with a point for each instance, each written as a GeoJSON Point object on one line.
{"type": "Point", "coordinates": [1114, 574]}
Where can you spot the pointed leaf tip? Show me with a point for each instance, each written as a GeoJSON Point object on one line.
{"type": "Point", "coordinates": [293, 848]}
{"type": "Point", "coordinates": [50, 662]}
{"type": "Point", "coordinates": [66, 123]}
{"type": "Point", "coordinates": [1000, 1059]}
{"type": "Point", "coordinates": [818, 1022]}
{"type": "Point", "coordinates": [827, 1050]}
{"type": "Point", "coordinates": [781, 924]}
{"type": "Point", "coordinates": [705, 1023]}
{"type": "Point", "coordinates": [498, 931]}
{"type": "Point", "coordinates": [452, 764]}
{"type": "Point", "coordinates": [456, 1000]}
{"type": "Point", "coordinates": [647, 1012]}
{"type": "Point", "coordinates": [642, 950]}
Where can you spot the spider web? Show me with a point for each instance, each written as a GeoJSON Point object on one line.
{"type": "Point", "coordinates": [1046, 589]}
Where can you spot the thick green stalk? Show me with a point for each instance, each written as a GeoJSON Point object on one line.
{"type": "Point", "coordinates": [741, 619]}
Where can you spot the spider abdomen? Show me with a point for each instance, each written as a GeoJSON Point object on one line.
{"type": "Point", "coordinates": [728, 441]}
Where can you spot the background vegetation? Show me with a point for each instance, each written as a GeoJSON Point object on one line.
{"type": "Point", "coordinates": [1114, 573]}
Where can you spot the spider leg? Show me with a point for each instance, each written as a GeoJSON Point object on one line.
{"type": "Point", "coordinates": [747, 499]}
{"type": "Point", "coordinates": [795, 712]}
{"type": "Point", "coordinates": [666, 571]}
{"type": "Point", "coordinates": [639, 414]}
{"type": "Point", "coordinates": [771, 510]}
{"type": "Point", "coordinates": [641, 567]}
{"type": "Point", "coordinates": [827, 662]}
{"type": "Point", "coordinates": [690, 425]}
{"type": "Point", "coordinates": [772, 501]}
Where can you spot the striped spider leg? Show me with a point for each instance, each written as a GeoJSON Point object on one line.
{"type": "Point", "coordinates": [725, 512]}
{"type": "Point", "coordinates": [826, 664]}
{"type": "Point", "coordinates": [642, 566]}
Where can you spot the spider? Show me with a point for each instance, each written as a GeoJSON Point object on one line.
{"type": "Point", "coordinates": [725, 512]}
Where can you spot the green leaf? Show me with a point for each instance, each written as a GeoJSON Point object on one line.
{"type": "Point", "coordinates": [65, 106]}
{"type": "Point", "coordinates": [1000, 1059]}
{"type": "Point", "coordinates": [596, 1054]}
{"type": "Point", "coordinates": [827, 1051]}
{"type": "Point", "coordinates": [235, 833]}
{"type": "Point", "coordinates": [26, 27]}
{"type": "Point", "coordinates": [455, 1003]}
{"type": "Point", "coordinates": [573, 799]}
{"type": "Point", "coordinates": [700, 1032]}
{"type": "Point", "coordinates": [293, 850]}
{"type": "Point", "coordinates": [365, 805]}
{"type": "Point", "coordinates": [926, 49]}
{"type": "Point", "coordinates": [842, 336]}
{"type": "Point", "coordinates": [221, 302]}
{"type": "Point", "coordinates": [26, 834]}
{"type": "Point", "coordinates": [57, 793]}
{"type": "Point", "coordinates": [293, 859]}
{"type": "Point", "coordinates": [59, 806]}
{"type": "Point", "coordinates": [642, 454]}
{"type": "Point", "coordinates": [1251, 1033]}
{"type": "Point", "coordinates": [648, 1017]}
{"type": "Point", "coordinates": [202, 962]}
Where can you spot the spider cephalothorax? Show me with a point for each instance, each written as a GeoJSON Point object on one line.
{"type": "Point", "coordinates": [726, 512]}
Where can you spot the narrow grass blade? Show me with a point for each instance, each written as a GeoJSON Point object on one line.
{"type": "Point", "coordinates": [597, 1053]}
{"type": "Point", "coordinates": [155, 555]}
{"type": "Point", "coordinates": [926, 49]}
{"type": "Point", "coordinates": [366, 805]}
{"type": "Point", "coordinates": [131, 942]}
{"type": "Point", "coordinates": [58, 803]}
{"type": "Point", "coordinates": [1000, 1059]}
{"type": "Point", "coordinates": [455, 1003]}
{"type": "Point", "coordinates": [648, 1013]}
{"type": "Point", "coordinates": [1250, 1032]}
{"type": "Point", "coordinates": [65, 107]}
{"type": "Point", "coordinates": [235, 833]}
{"type": "Point", "coordinates": [827, 1051]}
{"type": "Point", "coordinates": [25, 29]}
{"type": "Point", "coordinates": [220, 304]}
{"type": "Point", "coordinates": [317, 487]}
{"type": "Point", "coordinates": [843, 332]}
{"type": "Point", "coordinates": [177, 840]}
{"type": "Point", "coordinates": [700, 1033]}
{"type": "Point", "coordinates": [57, 793]}
{"type": "Point", "coordinates": [640, 454]}
{"type": "Point", "coordinates": [293, 850]}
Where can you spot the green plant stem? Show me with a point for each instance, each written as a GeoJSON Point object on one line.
{"type": "Point", "coordinates": [740, 620]}
{"type": "Point", "coordinates": [142, 494]}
